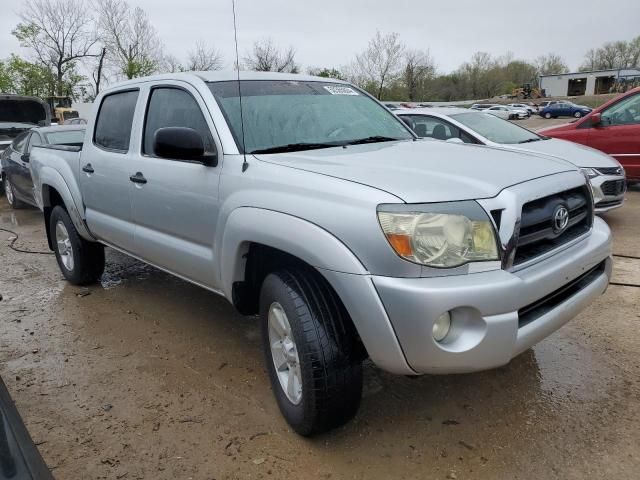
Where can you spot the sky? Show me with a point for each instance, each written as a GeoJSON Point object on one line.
{"type": "Point", "coordinates": [329, 33]}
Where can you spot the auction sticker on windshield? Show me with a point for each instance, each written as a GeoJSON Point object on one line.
{"type": "Point", "coordinates": [340, 90]}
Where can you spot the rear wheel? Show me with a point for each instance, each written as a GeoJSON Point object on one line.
{"type": "Point", "coordinates": [9, 192]}
{"type": "Point", "coordinates": [313, 357]}
{"type": "Point", "coordinates": [80, 261]}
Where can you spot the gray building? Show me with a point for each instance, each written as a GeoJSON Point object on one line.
{"type": "Point", "coordinates": [586, 83]}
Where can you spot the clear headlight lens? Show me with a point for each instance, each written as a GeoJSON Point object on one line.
{"type": "Point", "coordinates": [439, 239]}
{"type": "Point", "coordinates": [590, 173]}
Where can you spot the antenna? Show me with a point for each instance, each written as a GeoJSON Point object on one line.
{"type": "Point", "coordinates": [245, 164]}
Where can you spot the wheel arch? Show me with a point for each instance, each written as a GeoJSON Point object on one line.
{"type": "Point", "coordinates": [54, 191]}
{"type": "Point", "coordinates": [297, 238]}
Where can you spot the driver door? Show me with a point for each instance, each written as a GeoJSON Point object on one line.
{"type": "Point", "coordinates": [175, 205]}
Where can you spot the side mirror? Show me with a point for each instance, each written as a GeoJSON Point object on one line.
{"type": "Point", "coordinates": [25, 157]}
{"type": "Point", "coordinates": [596, 119]}
{"type": "Point", "coordinates": [181, 143]}
{"type": "Point", "coordinates": [454, 140]}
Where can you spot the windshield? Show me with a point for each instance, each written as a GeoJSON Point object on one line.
{"type": "Point", "coordinates": [299, 115]}
{"type": "Point", "coordinates": [65, 137]}
{"type": "Point", "coordinates": [495, 129]}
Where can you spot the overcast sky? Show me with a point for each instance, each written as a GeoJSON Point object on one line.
{"type": "Point", "coordinates": [330, 32]}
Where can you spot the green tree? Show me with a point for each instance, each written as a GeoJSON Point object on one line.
{"type": "Point", "coordinates": [27, 78]}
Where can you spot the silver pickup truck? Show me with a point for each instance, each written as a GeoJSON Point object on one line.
{"type": "Point", "coordinates": [306, 202]}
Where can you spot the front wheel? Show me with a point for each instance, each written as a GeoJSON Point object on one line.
{"type": "Point", "coordinates": [577, 114]}
{"type": "Point", "coordinates": [80, 261]}
{"type": "Point", "coordinates": [547, 115]}
{"type": "Point", "coordinates": [314, 360]}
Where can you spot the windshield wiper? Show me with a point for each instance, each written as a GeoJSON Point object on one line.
{"type": "Point", "coordinates": [373, 139]}
{"type": "Point", "coordinates": [295, 147]}
{"type": "Point", "coordinates": [529, 140]}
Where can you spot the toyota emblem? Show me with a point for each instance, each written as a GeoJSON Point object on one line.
{"type": "Point", "coordinates": [560, 218]}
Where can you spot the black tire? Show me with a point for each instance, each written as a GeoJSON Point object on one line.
{"type": "Point", "coordinates": [547, 115]}
{"type": "Point", "coordinates": [10, 192]}
{"type": "Point", "coordinates": [328, 348]}
{"type": "Point", "coordinates": [577, 114]}
{"type": "Point", "coordinates": [88, 257]}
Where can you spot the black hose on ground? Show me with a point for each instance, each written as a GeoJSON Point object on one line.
{"type": "Point", "coordinates": [16, 249]}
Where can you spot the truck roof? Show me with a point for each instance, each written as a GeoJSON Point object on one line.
{"type": "Point", "coordinates": [225, 75]}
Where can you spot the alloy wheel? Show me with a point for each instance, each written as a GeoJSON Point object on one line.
{"type": "Point", "coordinates": [284, 353]}
{"type": "Point", "coordinates": [65, 250]}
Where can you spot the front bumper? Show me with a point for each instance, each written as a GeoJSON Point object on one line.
{"type": "Point", "coordinates": [487, 331]}
{"type": "Point", "coordinates": [605, 197]}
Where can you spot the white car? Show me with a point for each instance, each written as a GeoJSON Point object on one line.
{"type": "Point", "coordinates": [500, 111]}
{"type": "Point", "coordinates": [524, 106]}
{"type": "Point", "coordinates": [461, 125]}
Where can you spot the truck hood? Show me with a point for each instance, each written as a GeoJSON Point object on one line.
{"type": "Point", "coordinates": [425, 171]}
{"type": "Point", "coordinates": [20, 109]}
{"type": "Point", "coordinates": [579, 155]}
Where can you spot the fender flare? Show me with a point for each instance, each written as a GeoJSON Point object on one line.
{"type": "Point", "coordinates": [295, 236]}
{"type": "Point", "coordinates": [51, 178]}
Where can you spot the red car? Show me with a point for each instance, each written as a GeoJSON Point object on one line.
{"type": "Point", "coordinates": [613, 128]}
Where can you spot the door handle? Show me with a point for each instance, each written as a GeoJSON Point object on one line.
{"type": "Point", "coordinates": [88, 168]}
{"type": "Point", "coordinates": [138, 178]}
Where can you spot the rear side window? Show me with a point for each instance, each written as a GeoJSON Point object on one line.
{"type": "Point", "coordinates": [34, 141]}
{"type": "Point", "coordinates": [20, 142]}
{"type": "Point", "coordinates": [115, 119]}
{"type": "Point", "coordinates": [173, 107]}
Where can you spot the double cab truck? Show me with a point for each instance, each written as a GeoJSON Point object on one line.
{"type": "Point", "coordinates": [304, 201]}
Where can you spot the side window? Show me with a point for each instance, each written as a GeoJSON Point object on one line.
{"type": "Point", "coordinates": [625, 112]}
{"type": "Point", "coordinates": [437, 128]}
{"type": "Point", "coordinates": [20, 142]}
{"type": "Point", "coordinates": [34, 141]}
{"type": "Point", "coordinates": [173, 107]}
{"type": "Point", "coordinates": [115, 119]}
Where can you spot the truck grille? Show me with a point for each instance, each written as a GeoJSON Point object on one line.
{"type": "Point", "coordinates": [613, 187]}
{"type": "Point", "coordinates": [549, 222]}
{"type": "Point", "coordinates": [610, 170]}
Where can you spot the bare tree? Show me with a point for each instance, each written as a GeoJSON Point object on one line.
{"type": "Point", "coordinates": [59, 32]}
{"type": "Point", "coordinates": [97, 75]}
{"type": "Point", "coordinates": [550, 64]}
{"type": "Point", "coordinates": [131, 40]}
{"type": "Point", "coordinates": [419, 69]}
{"type": "Point", "coordinates": [203, 58]}
{"type": "Point", "coordinates": [379, 64]}
{"type": "Point", "coordinates": [171, 64]}
{"type": "Point", "coordinates": [266, 57]}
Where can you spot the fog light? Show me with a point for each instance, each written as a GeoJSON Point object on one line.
{"type": "Point", "coordinates": [441, 327]}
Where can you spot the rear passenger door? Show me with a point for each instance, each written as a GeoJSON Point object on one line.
{"type": "Point", "coordinates": [176, 209]}
{"type": "Point", "coordinates": [105, 166]}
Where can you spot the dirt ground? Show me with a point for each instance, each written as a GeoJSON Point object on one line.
{"type": "Point", "coordinates": [147, 376]}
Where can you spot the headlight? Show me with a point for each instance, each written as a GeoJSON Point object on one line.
{"type": "Point", "coordinates": [441, 234]}
{"type": "Point", "coordinates": [590, 173]}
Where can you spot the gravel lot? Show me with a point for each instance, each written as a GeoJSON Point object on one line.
{"type": "Point", "coordinates": [147, 376]}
